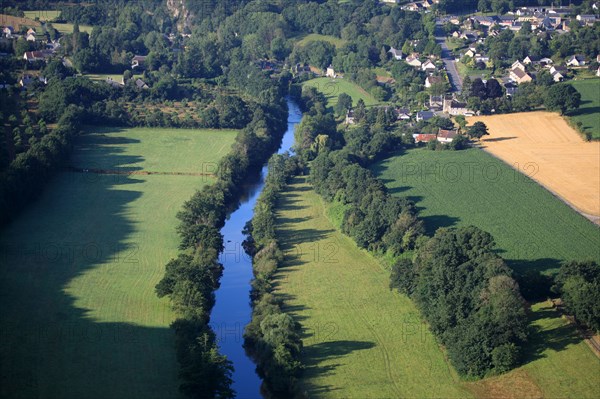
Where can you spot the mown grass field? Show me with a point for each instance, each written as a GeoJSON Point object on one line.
{"type": "Point", "coordinates": [313, 37]}
{"type": "Point", "coordinates": [79, 315]}
{"type": "Point", "coordinates": [51, 15]}
{"type": "Point", "coordinates": [589, 112]}
{"type": "Point", "coordinates": [531, 227]}
{"type": "Point", "coordinates": [332, 88]}
{"type": "Point", "coordinates": [43, 15]}
{"type": "Point", "coordinates": [168, 150]}
{"type": "Point", "coordinates": [364, 341]}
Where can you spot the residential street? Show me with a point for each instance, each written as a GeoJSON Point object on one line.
{"type": "Point", "coordinates": [448, 59]}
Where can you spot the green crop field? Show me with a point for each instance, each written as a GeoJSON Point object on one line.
{"type": "Point", "coordinates": [77, 273]}
{"type": "Point", "coordinates": [312, 37]}
{"type": "Point", "coordinates": [531, 227]}
{"type": "Point", "coordinates": [332, 88]}
{"type": "Point", "coordinates": [589, 112]}
{"type": "Point", "coordinates": [364, 341]}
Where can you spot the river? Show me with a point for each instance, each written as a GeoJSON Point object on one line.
{"type": "Point", "coordinates": [232, 311]}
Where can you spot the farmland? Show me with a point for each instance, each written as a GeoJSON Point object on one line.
{"type": "Point", "coordinates": [589, 111]}
{"type": "Point", "coordinates": [51, 15]}
{"type": "Point", "coordinates": [362, 340]}
{"type": "Point", "coordinates": [532, 228]}
{"type": "Point", "coordinates": [80, 266]}
{"type": "Point", "coordinates": [544, 143]}
{"type": "Point", "coordinates": [332, 88]}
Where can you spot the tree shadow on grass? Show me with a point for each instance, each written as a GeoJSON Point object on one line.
{"type": "Point", "coordinates": [548, 332]}
{"type": "Point", "coordinates": [313, 355]}
{"type": "Point", "coordinates": [54, 341]}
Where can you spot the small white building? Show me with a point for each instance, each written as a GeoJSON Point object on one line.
{"type": "Point", "coordinates": [576, 60]}
{"type": "Point", "coordinates": [330, 72]}
{"type": "Point", "coordinates": [413, 60]}
{"type": "Point", "coordinates": [428, 66]}
{"type": "Point", "coordinates": [397, 54]}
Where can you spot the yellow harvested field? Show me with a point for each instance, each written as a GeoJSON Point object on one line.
{"type": "Point", "coordinates": [544, 147]}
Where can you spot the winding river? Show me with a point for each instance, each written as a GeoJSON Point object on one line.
{"type": "Point", "coordinates": [232, 311]}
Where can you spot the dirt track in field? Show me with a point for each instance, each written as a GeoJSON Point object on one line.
{"type": "Point", "coordinates": [544, 147]}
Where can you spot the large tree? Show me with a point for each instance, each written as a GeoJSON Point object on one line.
{"type": "Point", "coordinates": [562, 97]}
{"type": "Point", "coordinates": [478, 130]}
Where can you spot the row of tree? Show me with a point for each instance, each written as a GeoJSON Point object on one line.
{"type": "Point", "coordinates": [272, 337]}
{"type": "Point", "coordinates": [191, 279]}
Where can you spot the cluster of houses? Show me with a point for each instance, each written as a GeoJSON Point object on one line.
{"type": "Point", "coordinates": [443, 136]}
{"type": "Point", "coordinates": [31, 35]}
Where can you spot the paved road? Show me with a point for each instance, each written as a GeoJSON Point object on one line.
{"type": "Point", "coordinates": [448, 60]}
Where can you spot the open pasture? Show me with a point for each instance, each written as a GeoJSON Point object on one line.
{"type": "Point", "coordinates": [80, 317]}
{"type": "Point", "coordinates": [332, 88]}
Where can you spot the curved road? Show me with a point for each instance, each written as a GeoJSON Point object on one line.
{"type": "Point", "coordinates": [448, 59]}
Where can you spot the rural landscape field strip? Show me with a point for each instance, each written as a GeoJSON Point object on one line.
{"type": "Point", "coordinates": [531, 227]}
{"type": "Point", "coordinates": [362, 340]}
{"type": "Point", "coordinates": [545, 146]}
{"type": "Point", "coordinates": [589, 111]}
{"type": "Point", "coordinates": [357, 330]}
{"type": "Point", "coordinates": [332, 88]}
{"type": "Point", "coordinates": [77, 283]}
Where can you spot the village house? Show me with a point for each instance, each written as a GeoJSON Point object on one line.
{"type": "Point", "coordinates": [598, 72]}
{"type": "Point", "coordinates": [432, 80]}
{"type": "Point", "coordinates": [576, 60]}
{"type": "Point", "coordinates": [137, 61]}
{"type": "Point", "coordinates": [26, 80]}
{"type": "Point", "coordinates": [349, 117]}
{"type": "Point", "coordinates": [586, 19]}
{"type": "Point", "coordinates": [558, 72]}
{"type": "Point", "coordinates": [424, 138]}
{"type": "Point", "coordinates": [519, 65]}
{"type": "Point", "coordinates": [485, 21]}
{"type": "Point", "coordinates": [427, 3]}
{"type": "Point", "coordinates": [403, 114]}
{"type": "Point", "coordinates": [413, 7]}
{"type": "Point", "coordinates": [519, 75]}
{"type": "Point", "coordinates": [397, 54]}
{"type": "Point", "coordinates": [32, 56]}
{"type": "Point", "coordinates": [446, 136]}
{"type": "Point", "coordinates": [481, 58]}
{"type": "Point", "coordinates": [470, 53]}
{"type": "Point", "coordinates": [424, 116]}
{"type": "Point", "coordinates": [30, 37]}
{"type": "Point", "coordinates": [436, 102]}
{"type": "Point", "coordinates": [140, 84]}
{"type": "Point", "coordinates": [428, 66]}
{"type": "Point", "coordinates": [413, 60]}
{"type": "Point", "coordinates": [330, 72]}
{"type": "Point", "coordinates": [452, 106]}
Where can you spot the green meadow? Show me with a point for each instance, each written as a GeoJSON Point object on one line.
{"type": "Point", "coordinates": [589, 111]}
{"type": "Point", "coordinates": [332, 88]}
{"type": "Point", "coordinates": [80, 317]}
